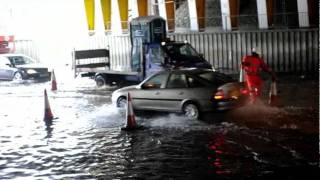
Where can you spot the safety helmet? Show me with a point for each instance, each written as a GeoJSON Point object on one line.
{"type": "Point", "coordinates": [256, 50]}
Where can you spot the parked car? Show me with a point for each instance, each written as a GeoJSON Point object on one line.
{"type": "Point", "coordinates": [190, 91]}
{"type": "Point", "coordinates": [19, 67]}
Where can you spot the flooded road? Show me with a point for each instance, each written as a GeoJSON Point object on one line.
{"type": "Point", "coordinates": [84, 141]}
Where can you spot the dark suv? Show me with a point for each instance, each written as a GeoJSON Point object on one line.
{"type": "Point", "coordinates": [19, 67]}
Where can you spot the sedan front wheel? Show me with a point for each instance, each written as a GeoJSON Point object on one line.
{"type": "Point", "coordinates": [17, 76]}
{"type": "Point", "coordinates": [121, 102]}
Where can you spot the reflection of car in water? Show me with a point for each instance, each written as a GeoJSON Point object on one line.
{"type": "Point", "coordinates": [19, 67]}
{"type": "Point", "coordinates": [189, 91]}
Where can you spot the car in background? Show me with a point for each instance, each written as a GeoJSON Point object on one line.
{"type": "Point", "coordinates": [189, 91]}
{"type": "Point", "coordinates": [20, 67]}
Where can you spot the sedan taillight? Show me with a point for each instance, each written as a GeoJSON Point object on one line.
{"type": "Point", "coordinates": [219, 95]}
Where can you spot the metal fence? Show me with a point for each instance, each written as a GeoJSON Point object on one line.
{"type": "Point", "coordinates": [294, 50]}
{"type": "Point", "coordinates": [284, 50]}
{"type": "Point", "coordinates": [27, 47]}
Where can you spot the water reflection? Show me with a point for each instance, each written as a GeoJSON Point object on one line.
{"type": "Point", "coordinates": [48, 128]}
{"type": "Point", "coordinates": [216, 154]}
{"type": "Point", "coordinates": [86, 141]}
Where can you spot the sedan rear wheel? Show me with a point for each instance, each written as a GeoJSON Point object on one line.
{"type": "Point", "coordinates": [17, 76]}
{"type": "Point", "coordinates": [191, 111]}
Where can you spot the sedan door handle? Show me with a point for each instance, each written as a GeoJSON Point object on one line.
{"type": "Point", "coordinates": [157, 93]}
{"type": "Point", "coordinates": [181, 93]}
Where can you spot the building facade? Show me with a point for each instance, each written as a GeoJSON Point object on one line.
{"type": "Point", "coordinates": [208, 15]}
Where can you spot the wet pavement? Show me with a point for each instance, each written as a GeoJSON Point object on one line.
{"type": "Point", "coordinates": [85, 140]}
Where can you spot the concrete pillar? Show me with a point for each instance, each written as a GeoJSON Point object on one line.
{"type": "Point", "coordinates": [170, 8]}
{"type": "Point", "coordinates": [262, 14]}
{"type": "Point", "coordinates": [270, 11]}
{"type": "Point", "coordinates": [166, 10]}
{"type": "Point", "coordinates": [151, 5]}
{"type": "Point", "coordinates": [230, 13]}
{"type": "Point", "coordinates": [142, 7]}
{"type": "Point", "coordinates": [162, 9]}
{"type": "Point", "coordinates": [313, 10]}
{"type": "Point", "coordinates": [90, 12]}
{"type": "Point", "coordinates": [303, 13]}
{"type": "Point", "coordinates": [234, 12]}
{"type": "Point", "coordinates": [123, 9]}
{"type": "Point", "coordinates": [138, 8]}
{"type": "Point", "coordinates": [201, 13]}
{"type": "Point", "coordinates": [133, 9]}
{"type": "Point", "coordinates": [115, 18]}
{"type": "Point", "coordinates": [99, 20]}
{"type": "Point", "coordinates": [193, 15]}
{"type": "Point", "coordinates": [106, 12]}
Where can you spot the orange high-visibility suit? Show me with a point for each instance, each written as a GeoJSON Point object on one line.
{"type": "Point", "coordinates": [252, 65]}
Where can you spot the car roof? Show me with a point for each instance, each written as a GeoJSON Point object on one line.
{"type": "Point", "coordinates": [190, 70]}
{"type": "Point", "coordinates": [12, 54]}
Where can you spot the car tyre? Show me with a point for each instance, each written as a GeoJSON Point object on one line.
{"type": "Point", "coordinates": [121, 102]}
{"type": "Point", "coordinates": [191, 111]}
{"type": "Point", "coordinates": [17, 76]}
{"type": "Point", "coordinates": [100, 81]}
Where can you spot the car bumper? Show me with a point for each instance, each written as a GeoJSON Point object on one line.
{"type": "Point", "coordinates": [228, 104]}
{"type": "Point", "coordinates": [39, 76]}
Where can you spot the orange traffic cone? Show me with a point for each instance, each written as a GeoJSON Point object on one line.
{"type": "Point", "coordinates": [47, 110]}
{"type": "Point", "coordinates": [273, 99]}
{"type": "Point", "coordinates": [131, 120]}
{"type": "Point", "coordinates": [242, 77]}
{"type": "Point", "coordinates": [53, 82]}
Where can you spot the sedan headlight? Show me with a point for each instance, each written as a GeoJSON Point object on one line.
{"type": "Point", "coordinates": [31, 71]}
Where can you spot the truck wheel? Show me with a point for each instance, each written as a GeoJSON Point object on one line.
{"type": "Point", "coordinates": [100, 81]}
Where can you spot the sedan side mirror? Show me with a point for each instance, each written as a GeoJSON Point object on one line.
{"type": "Point", "coordinates": [10, 65]}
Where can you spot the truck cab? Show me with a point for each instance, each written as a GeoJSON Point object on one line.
{"type": "Point", "coordinates": [152, 51]}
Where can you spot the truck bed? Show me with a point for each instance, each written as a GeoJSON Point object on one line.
{"type": "Point", "coordinates": [95, 61]}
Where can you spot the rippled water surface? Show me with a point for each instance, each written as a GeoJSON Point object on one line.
{"type": "Point", "coordinates": [85, 140]}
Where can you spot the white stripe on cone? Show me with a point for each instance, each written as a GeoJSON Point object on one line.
{"type": "Point", "coordinates": [47, 110]}
{"type": "Point", "coordinates": [131, 120]}
{"type": "Point", "coordinates": [53, 82]}
{"type": "Point", "coordinates": [273, 94]}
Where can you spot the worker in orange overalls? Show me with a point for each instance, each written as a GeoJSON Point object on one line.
{"type": "Point", "coordinates": [252, 65]}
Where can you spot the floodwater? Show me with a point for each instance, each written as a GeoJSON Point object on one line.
{"type": "Point", "coordinates": [85, 140]}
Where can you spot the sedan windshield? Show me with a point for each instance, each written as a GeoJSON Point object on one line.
{"type": "Point", "coordinates": [20, 60]}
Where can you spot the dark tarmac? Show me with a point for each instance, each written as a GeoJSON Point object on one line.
{"type": "Point", "coordinates": [85, 141]}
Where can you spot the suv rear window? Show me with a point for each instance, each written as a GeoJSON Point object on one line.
{"type": "Point", "coordinates": [215, 77]}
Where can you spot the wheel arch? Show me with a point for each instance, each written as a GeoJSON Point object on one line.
{"type": "Point", "coordinates": [187, 101]}
{"type": "Point", "coordinates": [122, 96]}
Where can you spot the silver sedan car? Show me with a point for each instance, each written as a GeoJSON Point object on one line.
{"type": "Point", "coordinates": [191, 92]}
